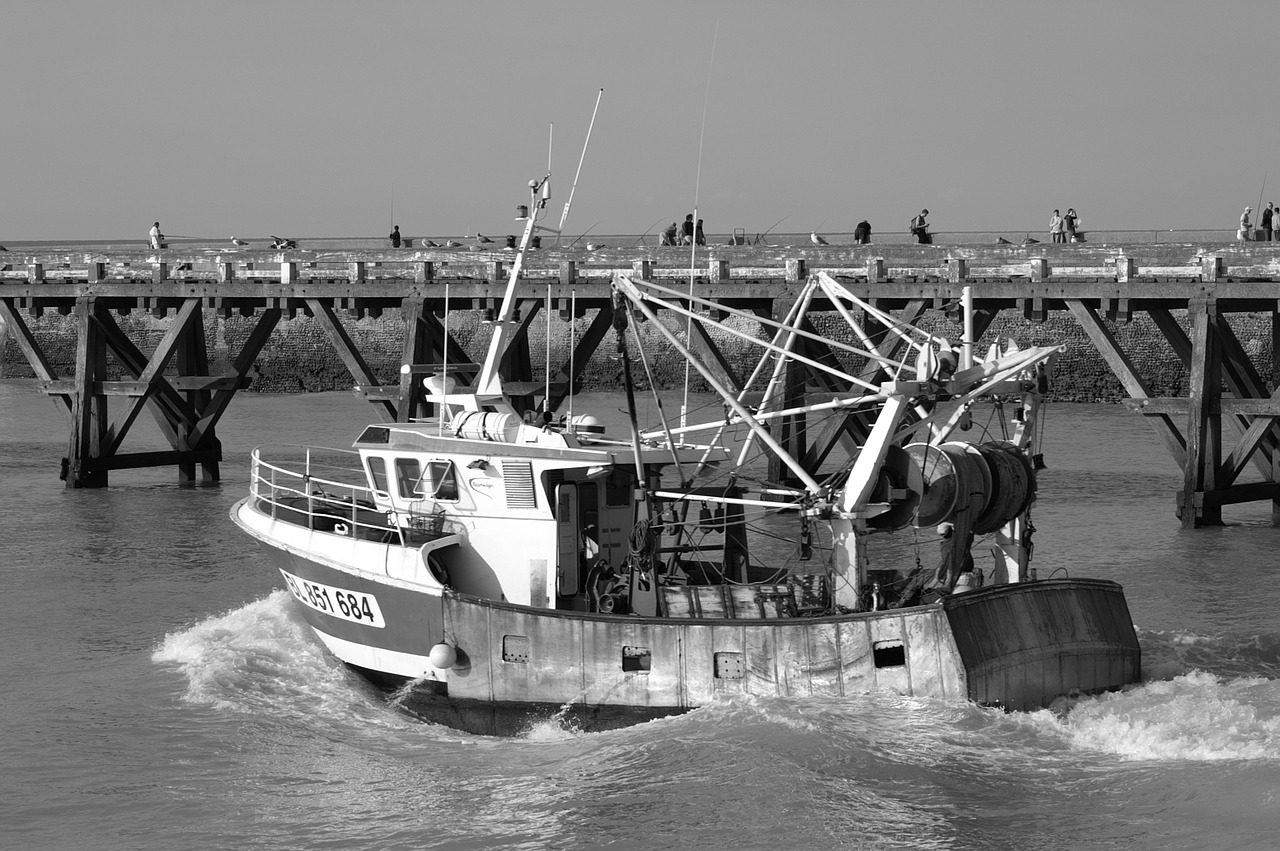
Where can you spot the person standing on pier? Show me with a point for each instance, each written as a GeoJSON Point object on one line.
{"type": "Point", "coordinates": [395, 237]}
{"type": "Point", "coordinates": [919, 228]}
{"type": "Point", "coordinates": [669, 235]}
{"type": "Point", "coordinates": [862, 233]}
{"type": "Point", "coordinates": [157, 238]}
{"type": "Point", "coordinates": [1268, 219]}
{"type": "Point", "coordinates": [1056, 232]}
{"type": "Point", "coordinates": [698, 238]}
{"type": "Point", "coordinates": [1245, 233]}
{"type": "Point", "coordinates": [1069, 222]}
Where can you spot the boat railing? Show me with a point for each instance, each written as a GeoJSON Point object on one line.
{"type": "Point", "coordinates": [318, 488]}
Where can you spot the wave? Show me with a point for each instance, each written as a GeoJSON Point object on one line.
{"type": "Point", "coordinates": [1194, 717]}
{"type": "Point", "coordinates": [262, 659]}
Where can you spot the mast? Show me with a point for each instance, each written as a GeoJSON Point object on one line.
{"type": "Point", "coordinates": [488, 387]}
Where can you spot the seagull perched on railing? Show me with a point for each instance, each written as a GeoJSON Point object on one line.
{"type": "Point", "coordinates": [235, 241]}
{"type": "Point", "coordinates": [481, 238]}
{"type": "Point", "coordinates": [817, 240]}
{"type": "Point", "coordinates": [432, 244]}
{"type": "Point", "coordinates": [453, 243]}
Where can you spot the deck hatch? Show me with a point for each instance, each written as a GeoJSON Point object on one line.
{"type": "Point", "coordinates": [517, 477]}
{"type": "Point", "coordinates": [515, 648]}
{"type": "Point", "coordinates": [728, 666]}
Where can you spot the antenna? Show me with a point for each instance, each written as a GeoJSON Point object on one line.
{"type": "Point", "coordinates": [565, 214]}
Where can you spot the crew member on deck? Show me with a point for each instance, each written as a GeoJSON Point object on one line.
{"type": "Point", "coordinates": [395, 237]}
{"type": "Point", "coordinates": [925, 586]}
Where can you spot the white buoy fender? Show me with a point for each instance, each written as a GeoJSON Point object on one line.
{"type": "Point", "coordinates": [443, 656]}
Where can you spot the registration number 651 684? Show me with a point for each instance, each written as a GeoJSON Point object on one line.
{"type": "Point", "coordinates": [348, 605]}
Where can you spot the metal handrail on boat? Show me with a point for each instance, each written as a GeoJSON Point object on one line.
{"type": "Point", "coordinates": [307, 494]}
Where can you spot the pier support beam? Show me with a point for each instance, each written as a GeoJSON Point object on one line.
{"type": "Point", "coordinates": [83, 464]}
{"type": "Point", "coordinates": [1204, 419]}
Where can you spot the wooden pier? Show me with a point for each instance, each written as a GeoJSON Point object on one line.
{"type": "Point", "coordinates": [1097, 285]}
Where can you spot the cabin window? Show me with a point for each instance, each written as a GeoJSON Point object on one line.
{"type": "Point", "coordinates": [515, 648]}
{"type": "Point", "coordinates": [375, 434]}
{"type": "Point", "coordinates": [378, 474]}
{"type": "Point", "coordinates": [889, 654]}
{"type": "Point", "coordinates": [441, 481]}
{"type": "Point", "coordinates": [636, 659]}
{"type": "Point", "coordinates": [408, 472]}
{"type": "Point", "coordinates": [728, 666]}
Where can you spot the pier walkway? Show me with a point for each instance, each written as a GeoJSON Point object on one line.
{"type": "Point", "coordinates": [1097, 285]}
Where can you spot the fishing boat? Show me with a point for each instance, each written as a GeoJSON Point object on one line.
{"type": "Point", "coordinates": [500, 567]}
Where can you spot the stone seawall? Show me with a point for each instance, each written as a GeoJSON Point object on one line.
{"type": "Point", "coordinates": [298, 358]}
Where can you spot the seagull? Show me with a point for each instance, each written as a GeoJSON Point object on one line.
{"type": "Point", "coordinates": [432, 244]}
{"type": "Point", "coordinates": [595, 246]}
{"type": "Point", "coordinates": [453, 243]}
{"type": "Point", "coordinates": [1002, 241]}
{"type": "Point", "coordinates": [235, 241]}
{"type": "Point", "coordinates": [2, 248]}
{"type": "Point", "coordinates": [1030, 241]}
{"type": "Point", "coordinates": [481, 238]}
{"type": "Point", "coordinates": [817, 240]}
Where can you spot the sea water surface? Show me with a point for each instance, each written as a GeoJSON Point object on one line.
{"type": "Point", "coordinates": [160, 692]}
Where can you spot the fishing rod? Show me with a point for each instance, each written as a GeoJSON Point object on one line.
{"type": "Point", "coordinates": [646, 233]}
{"type": "Point", "coordinates": [693, 246]}
{"type": "Point", "coordinates": [584, 233]}
{"type": "Point", "coordinates": [761, 236]}
{"type": "Point", "coordinates": [1260, 192]}
{"type": "Point", "coordinates": [565, 214]}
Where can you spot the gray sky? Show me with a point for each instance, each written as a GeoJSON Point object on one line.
{"type": "Point", "coordinates": [315, 118]}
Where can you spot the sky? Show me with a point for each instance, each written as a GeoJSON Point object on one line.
{"type": "Point", "coordinates": [328, 119]}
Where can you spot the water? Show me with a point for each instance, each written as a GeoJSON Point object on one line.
{"type": "Point", "coordinates": [160, 692]}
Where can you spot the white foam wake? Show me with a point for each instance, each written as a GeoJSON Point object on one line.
{"type": "Point", "coordinates": [1196, 717]}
